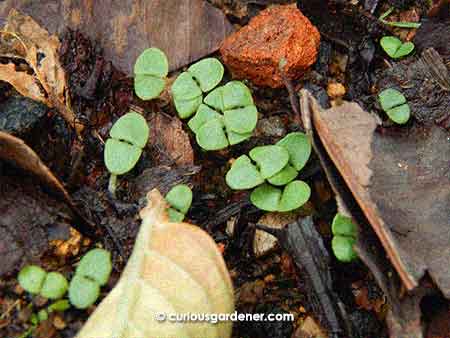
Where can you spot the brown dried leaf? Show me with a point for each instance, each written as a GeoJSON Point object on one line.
{"type": "Point", "coordinates": [40, 50]}
{"type": "Point", "coordinates": [185, 30]}
{"type": "Point", "coordinates": [168, 132]}
{"type": "Point", "coordinates": [16, 152]}
{"type": "Point", "coordinates": [174, 268]}
{"type": "Point", "coordinates": [24, 83]}
{"type": "Point", "coordinates": [401, 183]}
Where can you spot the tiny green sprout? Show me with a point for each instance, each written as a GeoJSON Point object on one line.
{"type": "Point", "coordinates": [95, 265]}
{"type": "Point", "coordinates": [208, 73]}
{"type": "Point", "coordinates": [83, 292]}
{"type": "Point", "coordinates": [31, 278]}
{"type": "Point", "coordinates": [299, 148]}
{"type": "Point", "coordinates": [343, 225]}
{"type": "Point", "coordinates": [129, 136]}
{"type": "Point", "coordinates": [215, 131]}
{"type": "Point", "coordinates": [211, 135]}
{"type": "Point", "coordinates": [394, 104]}
{"type": "Point", "coordinates": [55, 286]}
{"type": "Point", "coordinates": [270, 198]}
{"type": "Point", "coordinates": [188, 88]}
{"type": "Point", "coordinates": [243, 174]}
{"type": "Point", "coordinates": [180, 200]}
{"type": "Point", "coordinates": [59, 306]}
{"type": "Point", "coordinates": [42, 315]}
{"type": "Point", "coordinates": [270, 159]}
{"type": "Point", "coordinates": [395, 48]}
{"type": "Point", "coordinates": [150, 70]}
{"type": "Point", "coordinates": [92, 273]}
{"type": "Point", "coordinates": [345, 233]}
{"type": "Point", "coordinates": [343, 248]}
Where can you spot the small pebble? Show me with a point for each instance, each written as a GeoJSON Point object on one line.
{"type": "Point", "coordinates": [335, 90]}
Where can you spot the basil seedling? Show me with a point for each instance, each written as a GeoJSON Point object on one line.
{"type": "Point", "coordinates": [394, 104]}
{"type": "Point", "coordinates": [150, 72]}
{"type": "Point", "coordinates": [36, 280]}
{"type": "Point", "coordinates": [188, 88]}
{"type": "Point", "coordinates": [92, 273]}
{"type": "Point", "coordinates": [129, 135]}
{"type": "Point", "coordinates": [395, 48]}
{"type": "Point", "coordinates": [227, 116]}
{"type": "Point", "coordinates": [180, 200]}
{"type": "Point", "coordinates": [345, 233]}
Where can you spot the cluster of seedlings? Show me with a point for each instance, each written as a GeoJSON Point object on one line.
{"type": "Point", "coordinates": [91, 274]}
{"type": "Point", "coordinates": [273, 174]}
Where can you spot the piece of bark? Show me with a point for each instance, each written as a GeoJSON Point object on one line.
{"type": "Point", "coordinates": [167, 132]}
{"type": "Point", "coordinates": [401, 184]}
{"type": "Point", "coordinates": [185, 30]}
{"type": "Point", "coordinates": [302, 241]}
{"type": "Point", "coordinates": [16, 152]}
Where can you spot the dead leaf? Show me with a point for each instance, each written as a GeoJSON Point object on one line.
{"type": "Point", "coordinates": [168, 132]}
{"type": "Point", "coordinates": [174, 268]}
{"type": "Point", "coordinates": [185, 30]}
{"type": "Point", "coordinates": [16, 152]}
{"type": "Point", "coordinates": [263, 242]}
{"type": "Point", "coordinates": [401, 183]}
{"type": "Point", "coordinates": [30, 219]}
{"type": "Point", "coordinates": [310, 329]}
{"type": "Point", "coordinates": [23, 38]}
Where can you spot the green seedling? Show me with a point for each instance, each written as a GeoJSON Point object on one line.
{"type": "Point", "coordinates": [129, 135]}
{"type": "Point", "coordinates": [83, 292]}
{"type": "Point", "coordinates": [278, 165]}
{"type": "Point", "coordinates": [150, 72]}
{"type": "Point", "coordinates": [270, 198]}
{"type": "Point", "coordinates": [227, 116]}
{"type": "Point", "coordinates": [400, 24]}
{"type": "Point", "coordinates": [59, 306]}
{"type": "Point", "coordinates": [36, 280]}
{"type": "Point", "coordinates": [270, 159]}
{"type": "Point", "coordinates": [55, 286]}
{"type": "Point", "coordinates": [345, 233]}
{"type": "Point", "coordinates": [31, 278]}
{"type": "Point", "coordinates": [243, 174]}
{"type": "Point", "coordinates": [188, 88]}
{"type": "Point", "coordinates": [299, 148]}
{"type": "Point", "coordinates": [95, 265]}
{"type": "Point", "coordinates": [92, 273]}
{"type": "Point", "coordinates": [395, 48]}
{"type": "Point", "coordinates": [394, 104]}
{"type": "Point", "coordinates": [180, 200]}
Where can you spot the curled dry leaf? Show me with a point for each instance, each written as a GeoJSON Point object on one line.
{"type": "Point", "coordinates": [15, 151]}
{"type": "Point", "coordinates": [22, 38]}
{"type": "Point", "coordinates": [168, 132]}
{"type": "Point", "coordinates": [174, 268]}
{"type": "Point", "coordinates": [400, 182]}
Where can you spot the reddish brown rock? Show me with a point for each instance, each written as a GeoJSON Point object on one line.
{"type": "Point", "coordinates": [278, 32]}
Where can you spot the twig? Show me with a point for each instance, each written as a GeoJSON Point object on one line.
{"type": "Point", "coordinates": [293, 97]}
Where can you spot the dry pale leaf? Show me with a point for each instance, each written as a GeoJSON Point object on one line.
{"type": "Point", "coordinates": [15, 151]}
{"type": "Point", "coordinates": [401, 182]}
{"type": "Point", "coordinates": [22, 38]}
{"type": "Point", "coordinates": [174, 268]}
